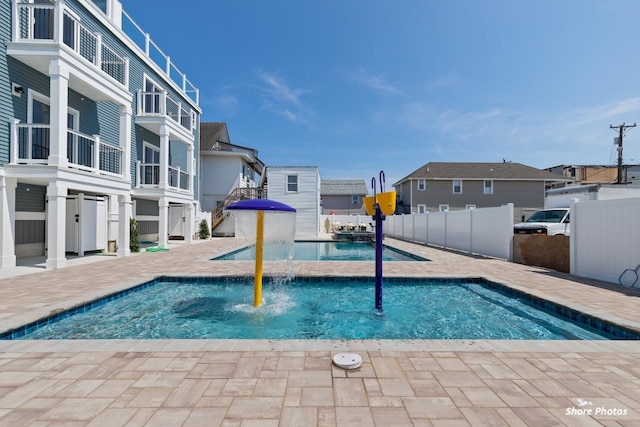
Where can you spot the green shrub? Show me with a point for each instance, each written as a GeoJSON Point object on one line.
{"type": "Point", "coordinates": [203, 230]}
{"type": "Point", "coordinates": [134, 241]}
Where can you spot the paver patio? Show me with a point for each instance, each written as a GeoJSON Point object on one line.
{"type": "Point", "coordinates": [292, 382]}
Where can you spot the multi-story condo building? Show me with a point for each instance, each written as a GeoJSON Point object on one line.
{"type": "Point", "coordinates": [100, 126]}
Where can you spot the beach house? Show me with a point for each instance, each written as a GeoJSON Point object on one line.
{"type": "Point", "coordinates": [100, 127]}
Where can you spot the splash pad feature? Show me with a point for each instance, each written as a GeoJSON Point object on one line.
{"type": "Point", "coordinates": [260, 206]}
{"type": "Point", "coordinates": [380, 205]}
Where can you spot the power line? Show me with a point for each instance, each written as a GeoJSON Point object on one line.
{"type": "Point", "coordinates": [622, 129]}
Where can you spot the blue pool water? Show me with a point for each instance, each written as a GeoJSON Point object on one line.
{"type": "Point", "coordinates": [318, 308]}
{"type": "Point", "coordinates": [322, 251]}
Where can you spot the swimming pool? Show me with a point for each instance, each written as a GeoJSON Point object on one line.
{"type": "Point", "coordinates": [320, 308]}
{"type": "Point", "coordinates": [321, 251]}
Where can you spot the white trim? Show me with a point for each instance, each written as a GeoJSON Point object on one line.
{"type": "Point", "coordinates": [424, 182]}
{"type": "Point", "coordinates": [30, 216]}
{"type": "Point", "coordinates": [147, 218]}
{"type": "Point", "coordinates": [470, 207]}
{"type": "Point", "coordinates": [421, 208]}
{"type": "Point", "coordinates": [443, 208]}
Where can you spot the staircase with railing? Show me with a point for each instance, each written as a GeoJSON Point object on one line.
{"type": "Point", "coordinates": [218, 215]}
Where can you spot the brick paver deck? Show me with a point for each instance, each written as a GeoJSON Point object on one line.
{"type": "Point", "coordinates": [292, 382]}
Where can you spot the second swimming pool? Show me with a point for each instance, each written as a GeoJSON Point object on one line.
{"type": "Point", "coordinates": [321, 251]}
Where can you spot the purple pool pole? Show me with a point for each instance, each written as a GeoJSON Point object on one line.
{"type": "Point", "coordinates": [378, 217]}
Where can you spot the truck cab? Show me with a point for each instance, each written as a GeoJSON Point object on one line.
{"type": "Point", "coordinates": [551, 222]}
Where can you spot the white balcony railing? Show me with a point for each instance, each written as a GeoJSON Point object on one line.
{"type": "Point", "coordinates": [161, 104]}
{"type": "Point", "coordinates": [178, 178]}
{"type": "Point", "coordinates": [149, 176]}
{"type": "Point", "coordinates": [163, 61]}
{"type": "Point", "coordinates": [31, 143]}
{"type": "Point", "coordinates": [38, 22]}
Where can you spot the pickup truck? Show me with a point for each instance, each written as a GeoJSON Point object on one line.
{"type": "Point", "coordinates": [547, 221]}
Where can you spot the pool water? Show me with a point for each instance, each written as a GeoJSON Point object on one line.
{"type": "Point", "coordinates": [314, 308]}
{"type": "Point", "coordinates": [321, 251]}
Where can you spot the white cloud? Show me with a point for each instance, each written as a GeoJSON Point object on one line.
{"type": "Point", "coordinates": [447, 81]}
{"type": "Point", "coordinates": [375, 82]}
{"type": "Point", "coordinates": [282, 99]}
{"type": "Point", "coordinates": [537, 138]}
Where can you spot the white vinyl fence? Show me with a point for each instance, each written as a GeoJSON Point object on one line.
{"type": "Point", "coordinates": [485, 231]}
{"type": "Point", "coordinates": [605, 240]}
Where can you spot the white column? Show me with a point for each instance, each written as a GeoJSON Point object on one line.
{"type": "Point", "coordinates": [56, 226]}
{"type": "Point", "coordinates": [7, 222]}
{"type": "Point", "coordinates": [125, 140]}
{"type": "Point", "coordinates": [163, 227]}
{"type": "Point", "coordinates": [80, 221]}
{"type": "Point", "coordinates": [58, 22]}
{"type": "Point", "coordinates": [190, 168]}
{"type": "Point", "coordinates": [188, 223]}
{"type": "Point", "coordinates": [124, 218]}
{"type": "Point", "coordinates": [164, 157]}
{"type": "Point", "coordinates": [59, 97]}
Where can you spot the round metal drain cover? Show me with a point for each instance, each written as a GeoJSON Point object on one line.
{"type": "Point", "coordinates": [347, 360]}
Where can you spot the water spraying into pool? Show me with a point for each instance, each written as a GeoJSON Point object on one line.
{"type": "Point", "coordinates": [269, 225]}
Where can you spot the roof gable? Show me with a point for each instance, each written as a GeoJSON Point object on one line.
{"type": "Point", "coordinates": [212, 134]}
{"type": "Point", "coordinates": [343, 187]}
{"type": "Point", "coordinates": [503, 170]}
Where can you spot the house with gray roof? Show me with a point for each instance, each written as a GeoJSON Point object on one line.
{"type": "Point", "coordinates": [343, 196]}
{"type": "Point", "coordinates": [442, 186]}
{"type": "Point", "coordinates": [225, 167]}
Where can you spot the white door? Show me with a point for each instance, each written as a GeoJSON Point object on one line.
{"type": "Point", "coordinates": [176, 220]}
{"type": "Point", "coordinates": [72, 224]}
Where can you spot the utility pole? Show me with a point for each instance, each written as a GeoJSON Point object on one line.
{"type": "Point", "coordinates": [622, 129]}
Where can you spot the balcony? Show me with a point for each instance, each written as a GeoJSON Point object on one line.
{"type": "Point", "coordinates": [30, 145]}
{"type": "Point", "coordinates": [148, 176]}
{"type": "Point", "coordinates": [161, 105]}
{"type": "Point", "coordinates": [38, 27]}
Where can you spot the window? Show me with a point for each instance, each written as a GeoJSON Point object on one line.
{"type": "Point", "coordinates": [457, 186]}
{"type": "Point", "coordinates": [152, 97]}
{"type": "Point", "coordinates": [470, 207]}
{"type": "Point", "coordinates": [422, 184]}
{"type": "Point", "coordinates": [292, 183]}
{"type": "Point", "coordinates": [151, 157]}
{"type": "Point", "coordinates": [40, 114]}
{"type": "Point", "coordinates": [488, 187]}
{"type": "Point", "coordinates": [79, 151]}
{"type": "Point", "coordinates": [443, 208]}
{"type": "Point", "coordinates": [422, 209]}
{"type": "Point", "coordinates": [355, 199]}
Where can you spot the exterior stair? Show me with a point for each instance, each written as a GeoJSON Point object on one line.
{"type": "Point", "coordinates": [219, 215]}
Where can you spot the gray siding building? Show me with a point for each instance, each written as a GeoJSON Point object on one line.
{"type": "Point", "coordinates": [343, 196]}
{"type": "Point", "coordinates": [438, 186]}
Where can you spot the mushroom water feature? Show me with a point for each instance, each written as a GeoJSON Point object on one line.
{"type": "Point", "coordinates": [274, 221]}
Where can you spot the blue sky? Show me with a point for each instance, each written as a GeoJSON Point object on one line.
{"type": "Point", "coordinates": [355, 87]}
